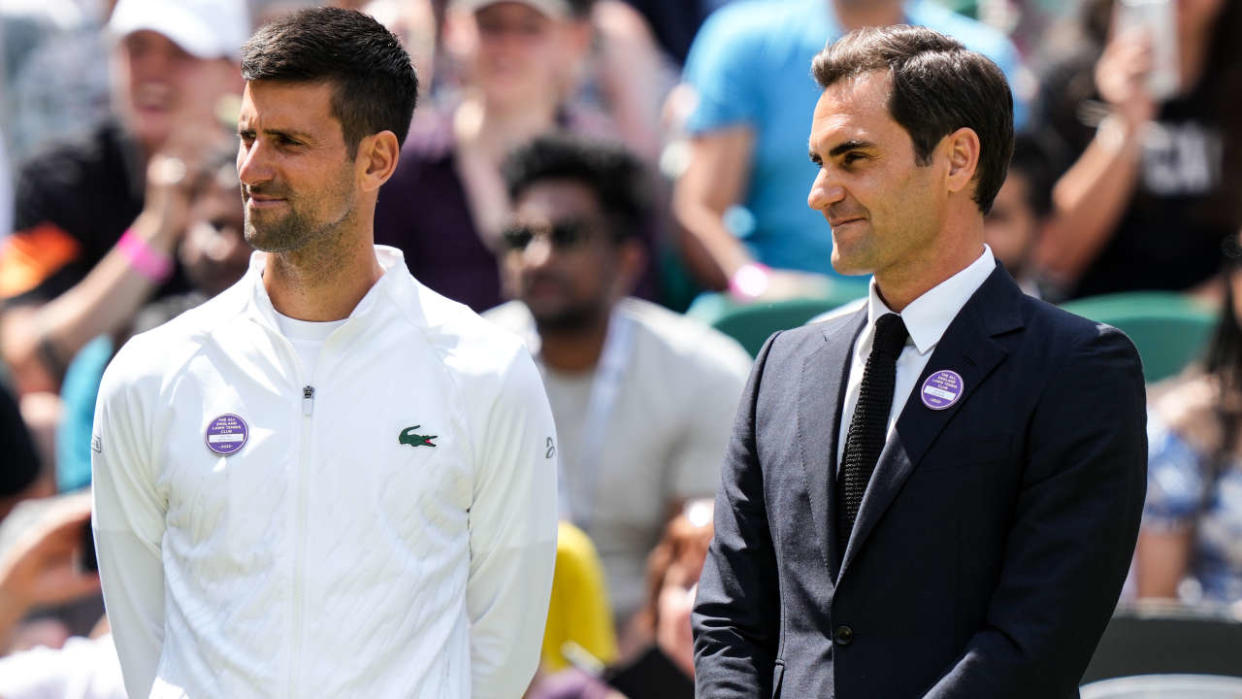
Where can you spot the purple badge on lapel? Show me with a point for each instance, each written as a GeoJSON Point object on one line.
{"type": "Point", "coordinates": [942, 389]}
{"type": "Point", "coordinates": [227, 434]}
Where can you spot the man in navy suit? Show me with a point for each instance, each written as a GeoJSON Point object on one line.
{"type": "Point", "coordinates": [936, 494]}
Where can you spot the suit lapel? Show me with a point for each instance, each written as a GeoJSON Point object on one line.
{"type": "Point", "coordinates": [822, 385]}
{"type": "Point", "coordinates": [968, 347]}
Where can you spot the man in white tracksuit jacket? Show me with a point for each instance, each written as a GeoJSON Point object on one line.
{"type": "Point", "coordinates": [328, 481]}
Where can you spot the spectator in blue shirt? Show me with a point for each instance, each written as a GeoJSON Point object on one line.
{"type": "Point", "coordinates": [742, 197]}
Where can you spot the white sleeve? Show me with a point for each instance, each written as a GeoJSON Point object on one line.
{"type": "Point", "coordinates": [128, 517]}
{"type": "Point", "coordinates": [709, 416]}
{"type": "Point", "coordinates": [513, 520]}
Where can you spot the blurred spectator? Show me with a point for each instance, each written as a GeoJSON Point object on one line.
{"type": "Point", "coordinates": [1190, 543]}
{"type": "Point", "coordinates": [1154, 189]}
{"type": "Point", "coordinates": [446, 204]}
{"type": "Point", "coordinates": [627, 75]}
{"type": "Point", "coordinates": [1020, 211]}
{"type": "Point", "coordinates": [664, 667]}
{"type": "Point", "coordinates": [214, 254]}
{"type": "Point", "coordinates": [414, 23]}
{"type": "Point", "coordinates": [55, 71]}
{"type": "Point", "coordinates": [6, 193]}
{"type": "Point", "coordinates": [44, 567]}
{"type": "Point", "coordinates": [742, 197]}
{"type": "Point", "coordinates": [643, 398]}
{"type": "Point", "coordinates": [21, 463]}
{"type": "Point", "coordinates": [675, 23]}
{"type": "Point", "coordinates": [94, 237]}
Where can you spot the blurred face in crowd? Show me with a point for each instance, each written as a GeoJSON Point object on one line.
{"type": "Point", "coordinates": [298, 179]}
{"type": "Point", "coordinates": [1012, 226]}
{"type": "Point", "coordinates": [157, 84]}
{"type": "Point", "coordinates": [884, 211]}
{"type": "Point", "coordinates": [519, 53]}
{"type": "Point", "coordinates": [214, 252]}
{"type": "Point", "coordinates": [563, 261]}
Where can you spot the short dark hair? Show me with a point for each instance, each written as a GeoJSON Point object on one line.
{"type": "Point", "coordinates": [615, 175]}
{"type": "Point", "coordinates": [374, 84]}
{"type": "Point", "coordinates": [938, 86]}
{"type": "Point", "coordinates": [1033, 159]}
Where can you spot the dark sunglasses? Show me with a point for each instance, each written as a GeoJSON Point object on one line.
{"type": "Point", "coordinates": [563, 235]}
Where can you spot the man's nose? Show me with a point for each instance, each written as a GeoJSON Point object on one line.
{"type": "Point", "coordinates": [539, 251]}
{"type": "Point", "coordinates": [825, 191]}
{"type": "Point", "coordinates": [253, 164]}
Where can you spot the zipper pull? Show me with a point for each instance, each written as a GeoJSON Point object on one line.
{"type": "Point", "coordinates": [308, 400]}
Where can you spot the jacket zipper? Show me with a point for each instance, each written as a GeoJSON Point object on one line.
{"type": "Point", "coordinates": [308, 409]}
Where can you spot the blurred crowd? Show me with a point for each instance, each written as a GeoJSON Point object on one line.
{"type": "Point", "coordinates": [584, 172]}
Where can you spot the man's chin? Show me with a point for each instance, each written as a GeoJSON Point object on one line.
{"type": "Point", "coordinates": [560, 318]}
{"type": "Point", "coordinates": [269, 233]}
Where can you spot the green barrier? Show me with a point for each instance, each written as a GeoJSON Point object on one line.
{"type": "Point", "coordinates": [752, 324]}
{"type": "Point", "coordinates": [1169, 329]}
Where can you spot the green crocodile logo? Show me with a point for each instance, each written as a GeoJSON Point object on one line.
{"type": "Point", "coordinates": [415, 440]}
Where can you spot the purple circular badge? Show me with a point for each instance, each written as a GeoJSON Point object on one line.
{"type": "Point", "coordinates": [942, 389]}
{"type": "Point", "coordinates": [226, 434]}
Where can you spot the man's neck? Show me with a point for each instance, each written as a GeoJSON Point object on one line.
{"type": "Point", "coordinates": [573, 351]}
{"type": "Point", "coordinates": [854, 14]}
{"type": "Point", "coordinates": [324, 280]}
{"type": "Point", "coordinates": [953, 252]}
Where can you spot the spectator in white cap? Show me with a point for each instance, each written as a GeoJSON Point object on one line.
{"type": "Point", "coordinates": [97, 220]}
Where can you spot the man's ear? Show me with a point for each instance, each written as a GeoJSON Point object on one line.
{"type": "Point", "coordinates": [962, 149]}
{"type": "Point", "coordinates": [377, 159]}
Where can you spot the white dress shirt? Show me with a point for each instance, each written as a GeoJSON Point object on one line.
{"type": "Point", "coordinates": [926, 319]}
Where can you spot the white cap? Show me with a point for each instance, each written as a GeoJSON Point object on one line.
{"type": "Point", "coordinates": [552, 8]}
{"type": "Point", "coordinates": [203, 28]}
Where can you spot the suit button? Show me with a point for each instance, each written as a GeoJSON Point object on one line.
{"type": "Point", "coordinates": [843, 636]}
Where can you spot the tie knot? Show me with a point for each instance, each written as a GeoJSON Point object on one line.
{"type": "Point", "coordinates": [890, 335]}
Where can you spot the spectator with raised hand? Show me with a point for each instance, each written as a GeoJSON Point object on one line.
{"type": "Point", "coordinates": [213, 254]}
{"type": "Point", "coordinates": [741, 199]}
{"type": "Point", "coordinates": [1153, 190]}
{"type": "Point", "coordinates": [97, 221]}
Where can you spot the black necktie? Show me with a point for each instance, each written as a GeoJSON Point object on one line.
{"type": "Point", "coordinates": [869, 426]}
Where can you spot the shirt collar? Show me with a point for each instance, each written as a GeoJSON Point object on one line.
{"type": "Point", "coordinates": [928, 316]}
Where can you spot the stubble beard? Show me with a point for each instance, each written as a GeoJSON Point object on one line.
{"type": "Point", "coordinates": [570, 320]}
{"type": "Point", "coordinates": [294, 231]}
{"type": "Point", "coordinates": [287, 233]}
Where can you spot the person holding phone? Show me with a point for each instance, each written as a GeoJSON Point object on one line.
{"type": "Point", "coordinates": [98, 220]}
{"type": "Point", "coordinates": [1150, 114]}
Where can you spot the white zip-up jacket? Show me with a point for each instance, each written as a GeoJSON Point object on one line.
{"type": "Point", "coordinates": [387, 527]}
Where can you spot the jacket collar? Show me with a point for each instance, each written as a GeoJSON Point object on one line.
{"type": "Point", "coordinates": [395, 282]}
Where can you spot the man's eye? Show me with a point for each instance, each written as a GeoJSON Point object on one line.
{"type": "Point", "coordinates": [851, 158]}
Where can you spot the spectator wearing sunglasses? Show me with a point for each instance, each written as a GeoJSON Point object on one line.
{"type": "Point", "coordinates": [642, 398]}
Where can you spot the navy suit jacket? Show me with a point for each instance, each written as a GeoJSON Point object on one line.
{"type": "Point", "coordinates": [991, 543]}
